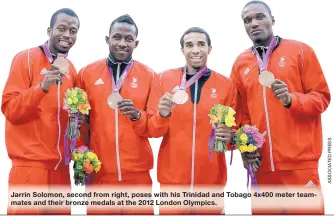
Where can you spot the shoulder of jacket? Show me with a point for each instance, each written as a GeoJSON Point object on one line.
{"type": "Point", "coordinates": [31, 52]}
{"type": "Point", "coordinates": [244, 56]}
{"type": "Point", "coordinates": [169, 73]}
{"type": "Point", "coordinates": [295, 45]}
{"type": "Point", "coordinates": [220, 77]}
{"type": "Point", "coordinates": [144, 68]}
{"type": "Point", "coordinates": [93, 65]}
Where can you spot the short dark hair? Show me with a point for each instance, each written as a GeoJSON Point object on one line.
{"type": "Point", "coordinates": [197, 30]}
{"type": "Point", "coordinates": [259, 2]}
{"type": "Point", "coordinates": [66, 11]}
{"type": "Point", "coordinates": [124, 19]}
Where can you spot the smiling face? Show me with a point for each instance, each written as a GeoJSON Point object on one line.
{"type": "Point", "coordinates": [122, 40]}
{"type": "Point", "coordinates": [258, 23]}
{"type": "Point", "coordinates": [195, 50]}
{"type": "Point", "coordinates": [63, 34]}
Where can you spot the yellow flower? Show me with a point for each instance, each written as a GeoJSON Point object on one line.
{"type": "Point", "coordinates": [75, 100]}
{"type": "Point", "coordinates": [231, 111]}
{"type": "Point", "coordinates": [84, 95]}
{"type": "Point", "coordinates": [74, 93]}
{"type": "Point", "coordinates": [213, 119]}
{"type": "Point", "coordinates": [243, 148]}
{"type": "Point", "coordinates": [251, 148]}
{"type": "Point", "coordinates": [243, 138]}
{"type": "Point", "coordinates": [91, 156]}
{"type": "Point", "coordinates": [219, 113]}
{"type": "Point", "coordinates": [69, 101]}
{"type": "Point", "coordinates": [229, 121]}
{"type": "Point", "coordinates": [98, 167]}
{"type": "Point", "coordinates": [75, 156]}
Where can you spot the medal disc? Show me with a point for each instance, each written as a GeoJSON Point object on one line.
{"type": "Point", "coordinates": [180, 97]}
{"type": "Point", "coordinates": [62, 64]}
{"type": "Point", "coordinates": [113, 99]}
{"type": "Point", "coordinates": [266, 78]}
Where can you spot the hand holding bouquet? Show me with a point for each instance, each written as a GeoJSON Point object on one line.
{"type": "Point", "coordinates": [248, 140]}
{"type": "Point", "coordinates": [75, 102]}
{"type": "Point", "coordinates": [220, 114]}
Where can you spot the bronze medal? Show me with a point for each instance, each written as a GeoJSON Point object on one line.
{"type": "Point", "coordinates": [62, 64]}
{"type": "Point", "coordinates": [266, 78]}
{"type": "Point", "coordinates": [113, 99]}
{"type": "Point", "coordinates": [180, 97]}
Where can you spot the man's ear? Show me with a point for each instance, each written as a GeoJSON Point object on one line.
{"type": "Point", "coordinates": [210, 48]}
{"type": "Point", "coordinates": [273, 20]}
{"type": "Point", "coordinates": [182, 50]}
{"type": "Point", "coordinates": [49, 32]}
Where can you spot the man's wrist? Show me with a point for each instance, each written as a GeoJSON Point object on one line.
{"type": "Point", "coordinates": [42, 87]}
{"type": "Point", "coordinates": [136, 117]}
{"type": "Point", "coordinates": [167, 116]}
{"type": "Point", "coordinates": [288, 103]}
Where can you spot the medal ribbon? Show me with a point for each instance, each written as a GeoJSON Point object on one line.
{"type": "Point", "coordinates": [73, 139]}
{"type": "Point", "coordinates": [192, 80]}
{"type": "Point", "coordinates": [117, 86]}
{"type": "Point", "coordinates": [250, 173]}
{"type": "Point", "coordinates": [50, 59]}
{"type": "Point", "coordinates": [263, 64]}
{"type": "Point", "coordinates": [48, 54]}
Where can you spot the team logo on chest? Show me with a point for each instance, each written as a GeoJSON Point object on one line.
{"type": "Point", "coordinates": [213, 93]}
{"type": "Point", "coordinates": [134, 82]}
{"type": "Point", "coordinates": [99, 82]}
{"type": "Point", "coordinates": [282, 62]}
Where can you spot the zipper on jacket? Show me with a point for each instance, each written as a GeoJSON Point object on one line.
{"type": "Point", "coordinates": [268, 129]}
{"type": "Point", "coordinates": [116, 131]}
{"type": "Point", "coordinates": [59, 128]}
{"type": "Point", "coordinates": [194, 139]}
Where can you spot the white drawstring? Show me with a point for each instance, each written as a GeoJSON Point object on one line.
{"type": "Point", "coordinates": [193, 150]}
{"type": "Point", "coordinates": [118, 71]}
{"type": "Point", "coordinates": [116, 131]}
{"type": "Point", "coordinates": [59, 128]}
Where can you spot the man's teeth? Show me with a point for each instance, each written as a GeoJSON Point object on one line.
{"type": "Point", "coordinates": [64, 42]}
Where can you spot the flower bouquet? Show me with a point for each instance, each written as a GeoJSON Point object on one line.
{"type": "Point", "coordinates": [75, 102]}
{"type": "Point", "coordinates": [249, 139]}
{"type": "Point", "coordinates": [85, 162]}
{"type": "Point", "coordinates": [220, 114]}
